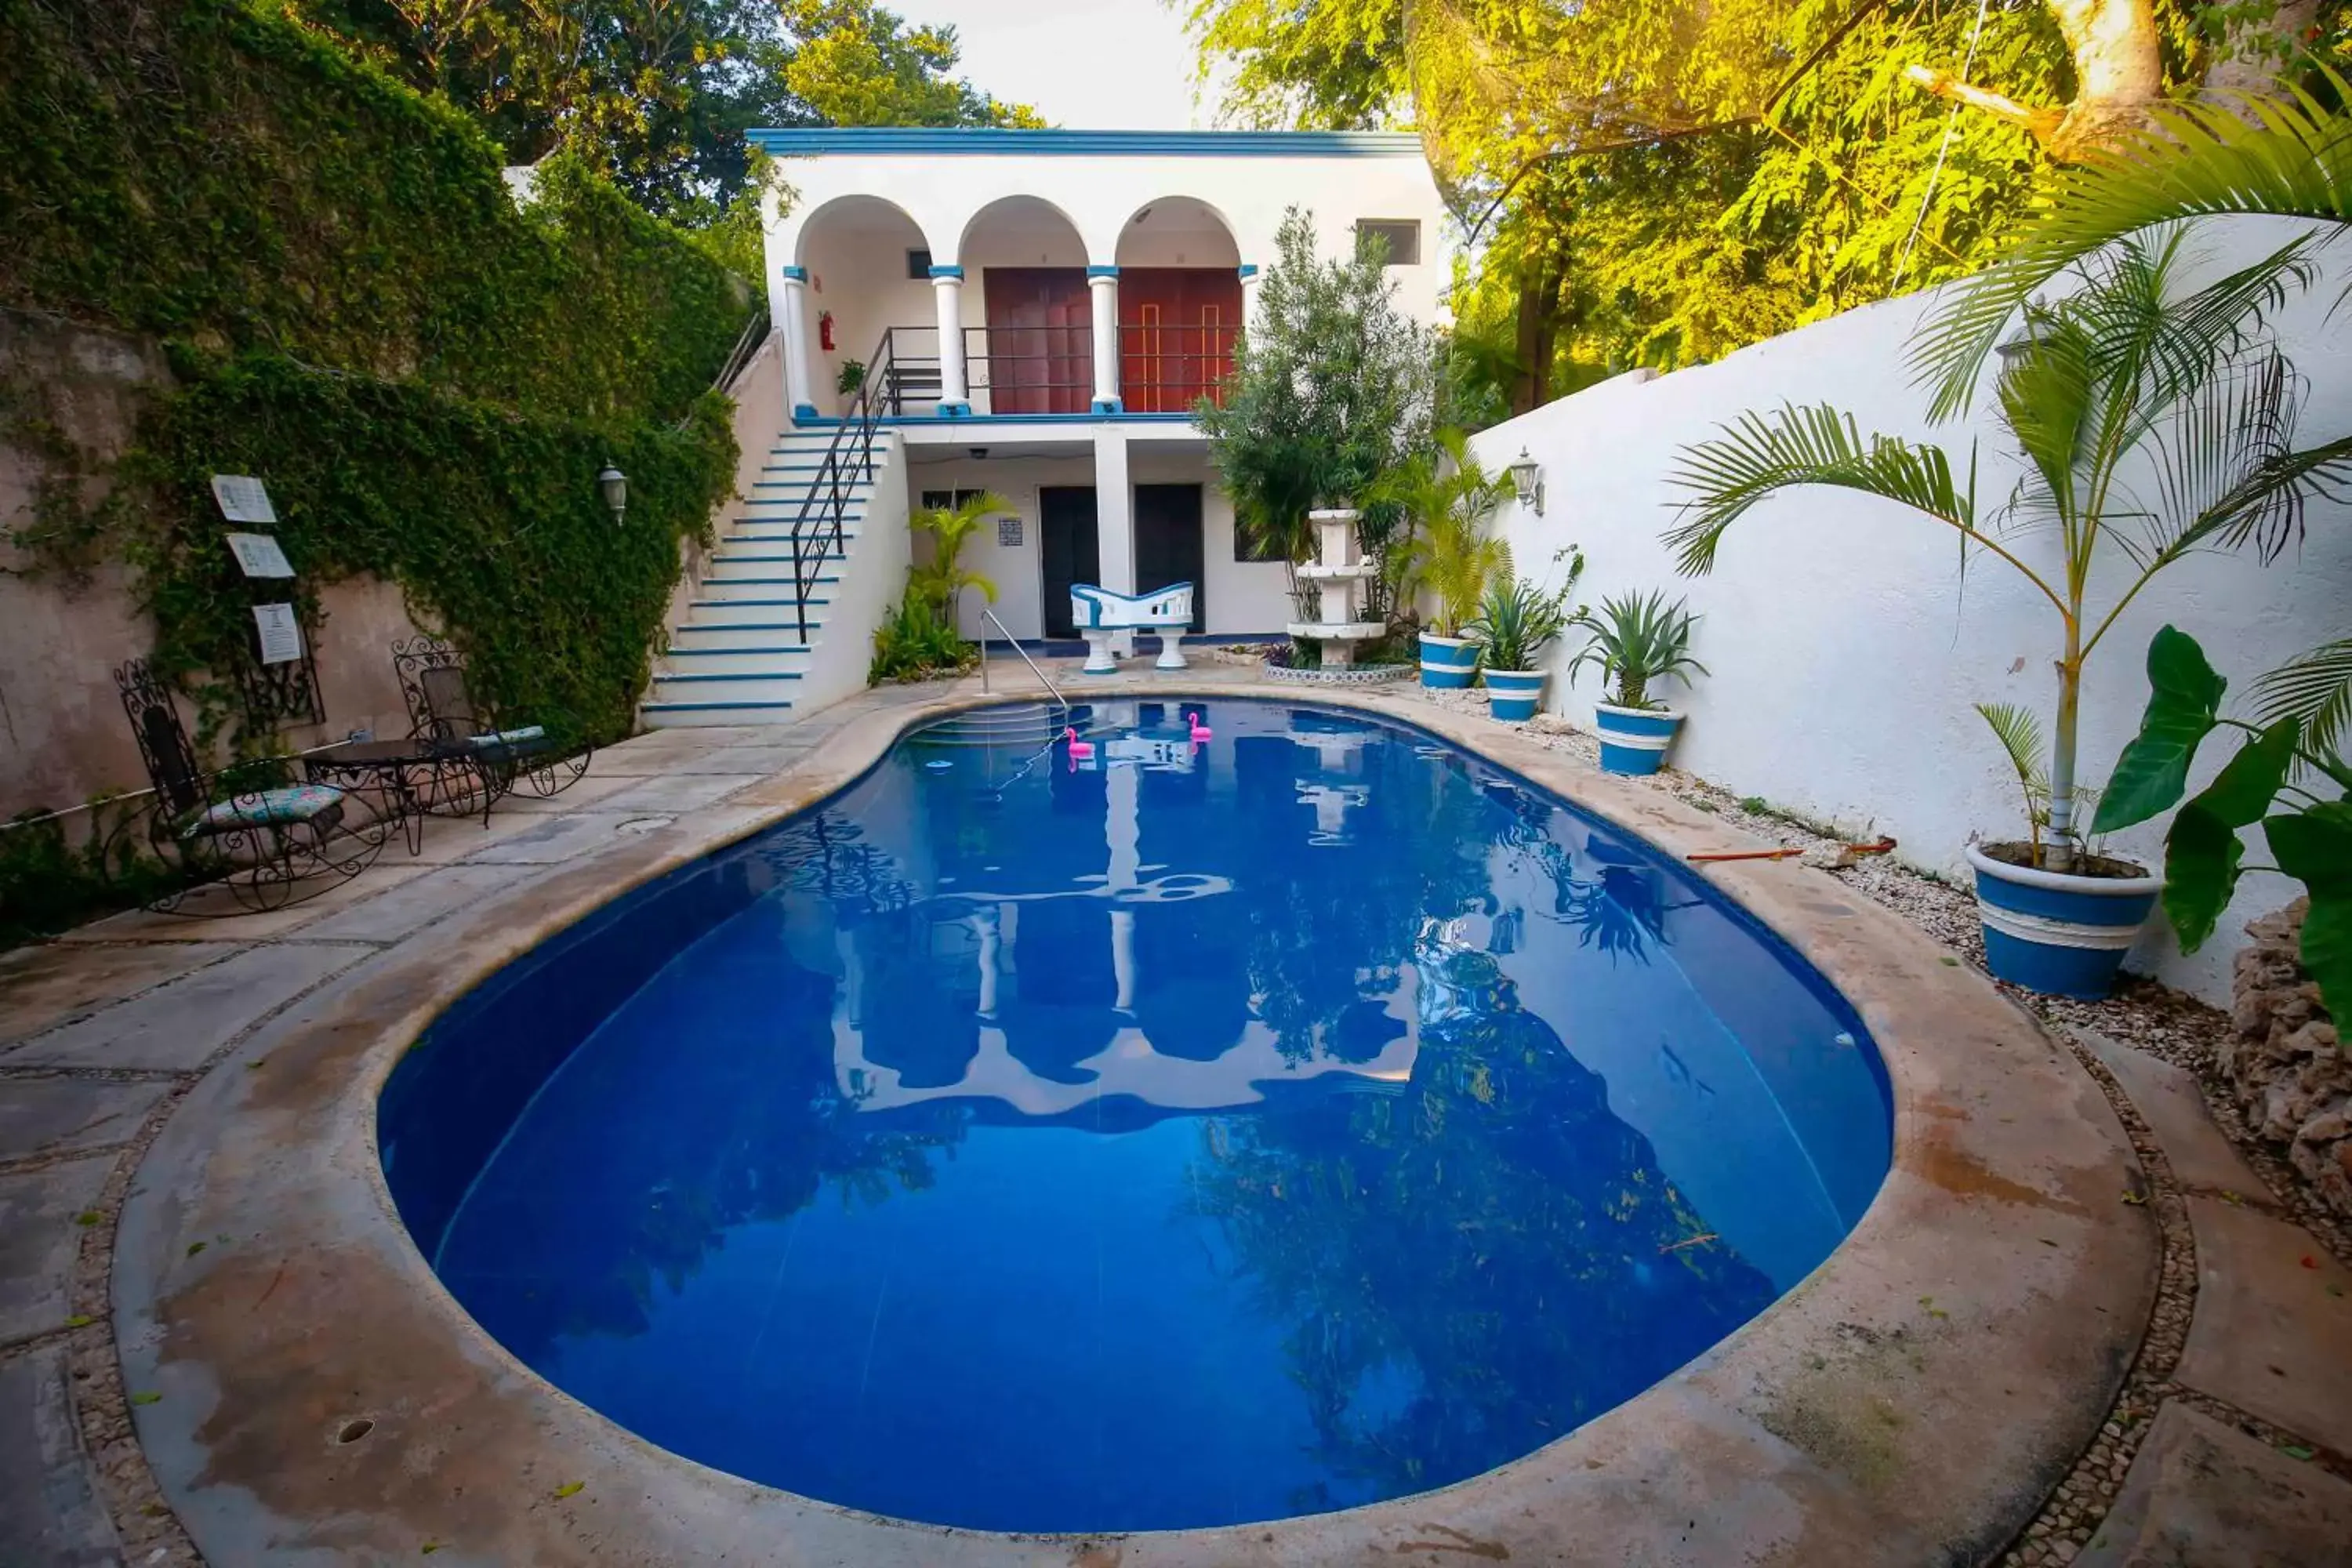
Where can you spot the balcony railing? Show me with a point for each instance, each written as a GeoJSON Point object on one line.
{"type": "Point", "coordinates": [1050, 369]}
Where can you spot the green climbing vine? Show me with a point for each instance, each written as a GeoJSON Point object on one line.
{"type": "Point", "coordinates": [427, 374]}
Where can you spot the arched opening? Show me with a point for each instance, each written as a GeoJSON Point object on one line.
{"type": "Point", "coordinates": [868, 273]}
{"type": "Point", "coordinates": [1179, 304]}
{"type": "Point", "coordinates": [1033, 352]}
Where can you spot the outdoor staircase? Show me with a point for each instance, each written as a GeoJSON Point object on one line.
{"type": "Point", "coordinates": [740, 657]}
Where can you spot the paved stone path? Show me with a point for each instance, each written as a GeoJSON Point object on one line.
{"type": "Point", "coordinates": [102, 1033]}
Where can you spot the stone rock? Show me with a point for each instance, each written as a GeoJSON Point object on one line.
{"type": "Point", "coordinates": [2287, 1063]}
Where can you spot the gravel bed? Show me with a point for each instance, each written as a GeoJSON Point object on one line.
{"type": "Point", "coordinates": [2141, 1014]}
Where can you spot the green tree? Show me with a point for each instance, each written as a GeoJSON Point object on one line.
{"type": "Point", "coordinates": [1661, 183]}
{"type": "Point", "coordinates": [2129, 380]}
{"type": "Point", "coordinates": [1332, 386]}
{"type": "Point", "coordinates": [659, 93]}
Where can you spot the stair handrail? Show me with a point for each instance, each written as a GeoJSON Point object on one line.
{"type": "Point", "coordinates": [988, 618]}
{"type": "Point", "coordinates": [817, 537]}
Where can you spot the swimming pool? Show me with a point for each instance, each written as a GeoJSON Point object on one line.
{"type": "Point", "coordinates": [1194, 1134]}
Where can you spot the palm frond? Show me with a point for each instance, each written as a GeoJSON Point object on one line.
{"type": "Point", "coordinates": [2287, 158]}
{"type": "Point", "coordinates": [1756, 456]}
{"type": "Point", "coordinates": [2315, 689]}
{"type": "Point", "coordinates": [2020, 734]}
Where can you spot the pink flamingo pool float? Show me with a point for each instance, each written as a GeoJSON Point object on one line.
{"type": "Point", "coordinates": [1200, 732]}
{"type": "Point", "coordinates": [1079, 749]}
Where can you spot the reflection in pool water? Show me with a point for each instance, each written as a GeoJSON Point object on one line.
{"type": "Point", "coordinates": [1197, 1135]}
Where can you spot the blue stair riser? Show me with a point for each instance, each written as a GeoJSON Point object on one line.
{"type": "Point", "coordinates": [732, 605]}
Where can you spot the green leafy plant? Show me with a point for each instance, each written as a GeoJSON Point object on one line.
{"type": "Point", "coordinates": [2301, 729]}
{"type": "Point", "coordinates": [1332, 386]}
{"type": "Point", "coordinates": [2020, 734]}
{"type": "Point", "coordinates": [849, 377]}
{"type": "Point", "coordinates": [1519, 618]}
{"type": "Point", "coordinates": [916, 641]}
{"type": "Point", "coordinates": [1634, 642]}
{"type": "Point", "coordinates": [944, 578]}
{"type": "Point", "coordinates": [1447, 498]}
{"type": "Point", "coordinates": [2129, 375]}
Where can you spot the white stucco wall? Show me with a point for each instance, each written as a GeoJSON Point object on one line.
{"type": "Point", "coordinates": [1242, 596]}
{"type": "Point", "coordinates": [1845, 649]}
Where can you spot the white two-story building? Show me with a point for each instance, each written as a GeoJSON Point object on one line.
{"type": "Point", "coordinates": [1033, 313]}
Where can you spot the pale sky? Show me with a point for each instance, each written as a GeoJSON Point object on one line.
{"type": "Point", "coordinates": [1091, 65]}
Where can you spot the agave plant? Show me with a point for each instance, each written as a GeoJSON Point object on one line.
{"type": "Point", "coordinates": [944, 580]}
{"type": "Point", "coordinates": [1636, 642]}
{"type": "Point", "coordinates": [1449, 496]}
{"type": "Point", "coordinates": [1517, 619]}
{"type": "Point", "coordinates": [2128, 377]}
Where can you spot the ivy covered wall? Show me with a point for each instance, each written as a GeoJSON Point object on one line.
{"type": "Point", "coordinates": [356, 309]}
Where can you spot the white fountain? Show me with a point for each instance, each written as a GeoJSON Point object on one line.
{"type": "Point", "coordinates": [1339, 573]}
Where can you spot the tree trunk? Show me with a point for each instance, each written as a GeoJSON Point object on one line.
{"type": "Point", "coordinates": [1539, 329]}
{"type": "Point", "coordinates": [2256, 53]}
{"type": "Point", "coordinates": [2118, 78]}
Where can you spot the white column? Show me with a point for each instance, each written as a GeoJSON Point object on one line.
{"type": "Point", "coordinates": [1250, 275]}
{"type": "Point", "coordinates": [1104, 282]}
{"type": "Point", "coordinates": [947, 289]}
{"type": "Point", "coordinates": [799, 383]}
{"type": "Point", "coordinates": [1123, 833]}
{"type": "Point", "coordinates": [1115, 521]}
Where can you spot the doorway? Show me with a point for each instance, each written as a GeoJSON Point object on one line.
{"type": "Point", "coordinates": [1168, 546]}
{"type": "Point", "coordinates": [1040, 339]}
{"type": "Point", "coordinates": [1069, 550]}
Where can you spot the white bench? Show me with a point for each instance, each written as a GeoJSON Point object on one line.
{"type": "Point", "coordinates": [1101, 615]}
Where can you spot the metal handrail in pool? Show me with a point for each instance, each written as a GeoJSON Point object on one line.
{"type": "Point", "coordinates": [989, 616]}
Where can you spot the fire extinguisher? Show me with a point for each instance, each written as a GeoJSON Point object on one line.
{"type": "Point", "coordinates": [824, 331]}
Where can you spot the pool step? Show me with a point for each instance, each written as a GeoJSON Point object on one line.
{"type": "Point", "coordinates": [1026, 725]}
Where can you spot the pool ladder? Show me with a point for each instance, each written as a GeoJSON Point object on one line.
{"type": "Point", "coordinates": [988, 618]}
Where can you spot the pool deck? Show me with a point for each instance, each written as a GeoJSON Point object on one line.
{"type": "Point", "coordinates": [203, 1284]}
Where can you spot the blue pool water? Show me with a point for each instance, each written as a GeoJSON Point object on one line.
{"type": "Point", "coordinates": [1191, 1135]}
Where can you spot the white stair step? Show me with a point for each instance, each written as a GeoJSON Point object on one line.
{"type": "Point", "coordinates": [692, 659]}
{"type": "Point", "coordinates": [766, 606]}
{"type": "Point", "coordinates": [698, 715]}
{"type": "Point", "coordinates": [755, 591]}
{"type": "Point", "coordinates": [761, 569]}
{"type": "Point", "coordinates": [776, 633]}
{"type": "Point", "coordinates": [773, 537]}
{"type": "Point", "coordinates": [738, 686]}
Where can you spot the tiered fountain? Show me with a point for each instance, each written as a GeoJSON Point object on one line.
{"type": "Point", "coordinates": [1339, 573]}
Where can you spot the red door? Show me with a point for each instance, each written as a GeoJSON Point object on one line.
{"type": "Point", "coordinates": [1177, 326]}
{"type": "Point", "coordinates": [1040, 339]}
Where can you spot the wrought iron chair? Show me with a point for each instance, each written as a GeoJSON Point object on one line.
{"type": "Point", "coordinates": [441, 709]}
{"type": "Point", "coordinates": [270, 843]}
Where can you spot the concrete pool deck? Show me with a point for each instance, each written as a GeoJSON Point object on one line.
{"type": "Point", "coordinates": [226, 1343]}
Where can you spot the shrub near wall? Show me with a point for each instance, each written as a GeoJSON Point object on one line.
{"type": "Point", "coordinates": [196, 170]}
{"type": "Point", "coordinates": [428, 378]}
{"type": "Point", "coordinates": [491, 524]}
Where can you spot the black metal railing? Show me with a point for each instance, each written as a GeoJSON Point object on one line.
{"type": "Point", "coordinates": [1163, 368]}
{"type": "Point", "coordinates": [821, 529]}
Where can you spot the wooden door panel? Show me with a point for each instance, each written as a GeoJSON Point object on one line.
{"type": "Point", "coordinates": [1168, 544]}
{"type": "Point", "coordinates": [1069, 550]}
{"type": "Point", "coordinates": [1176, 332]}
{"type": "Point", "coordinates": [1040, 339]}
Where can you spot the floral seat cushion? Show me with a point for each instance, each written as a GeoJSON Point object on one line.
{"type": "Point", "coordinates": [264, 808]}
{"type": "Point", "coordinates": [516, 737]}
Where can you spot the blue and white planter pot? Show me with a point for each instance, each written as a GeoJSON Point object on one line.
{"type": "Point", "coordinates": [2056, 934]}
{"type": "Point", "coordinates": [1513, 694]}
{"type": "Point", "coordinates": [1447, 663]}
{"type": "Point", "coordinates": [1635, 740]}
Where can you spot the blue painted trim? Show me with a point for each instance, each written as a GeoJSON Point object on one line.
{"type": "Point", "coordinates": [873, 140]}
{"type": "Point", "coordinates": [1648, 724]}
{"type": "Point", "coordinates": [708, 707]}
{"type": "Point", "coordinates": [797, 274]}
{"type": "Point", "coordinates": [803, 412]}
{"type": "Point", "coordinates": [733, 675]}
{"type": "Point", "coordinates": [1107, 404]}
{"type": "Point", "coordinates": [2125, 911]}
{"type": "Point", "coordinates": [1102, 271]}
{"type": "Point", "coordinates": [1122, 419]}
{"type": "Point", "coordinates": [1246, 270]}
{"type": "Point", "coordinates": [954, 411]}
{"type": "Point", "coordinates": [1629, 760]}
{"type": "Point", "coordinates": [946, 270]}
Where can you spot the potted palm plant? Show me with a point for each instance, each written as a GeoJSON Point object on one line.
{"type": "Point", "coordinates": [1516, 620]}
{"type": "Point", "coordinates": [2128, 377]}
{"type": "Point", "coordinates": [1636, 642]}
{"type": "Point", "coordinates": [1451, 555]}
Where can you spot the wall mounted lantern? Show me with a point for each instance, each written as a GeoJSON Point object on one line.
{"type": "Point", "coordinates": [1527, 477]}
{"type": "Point", "coordinates": [614, 486]}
